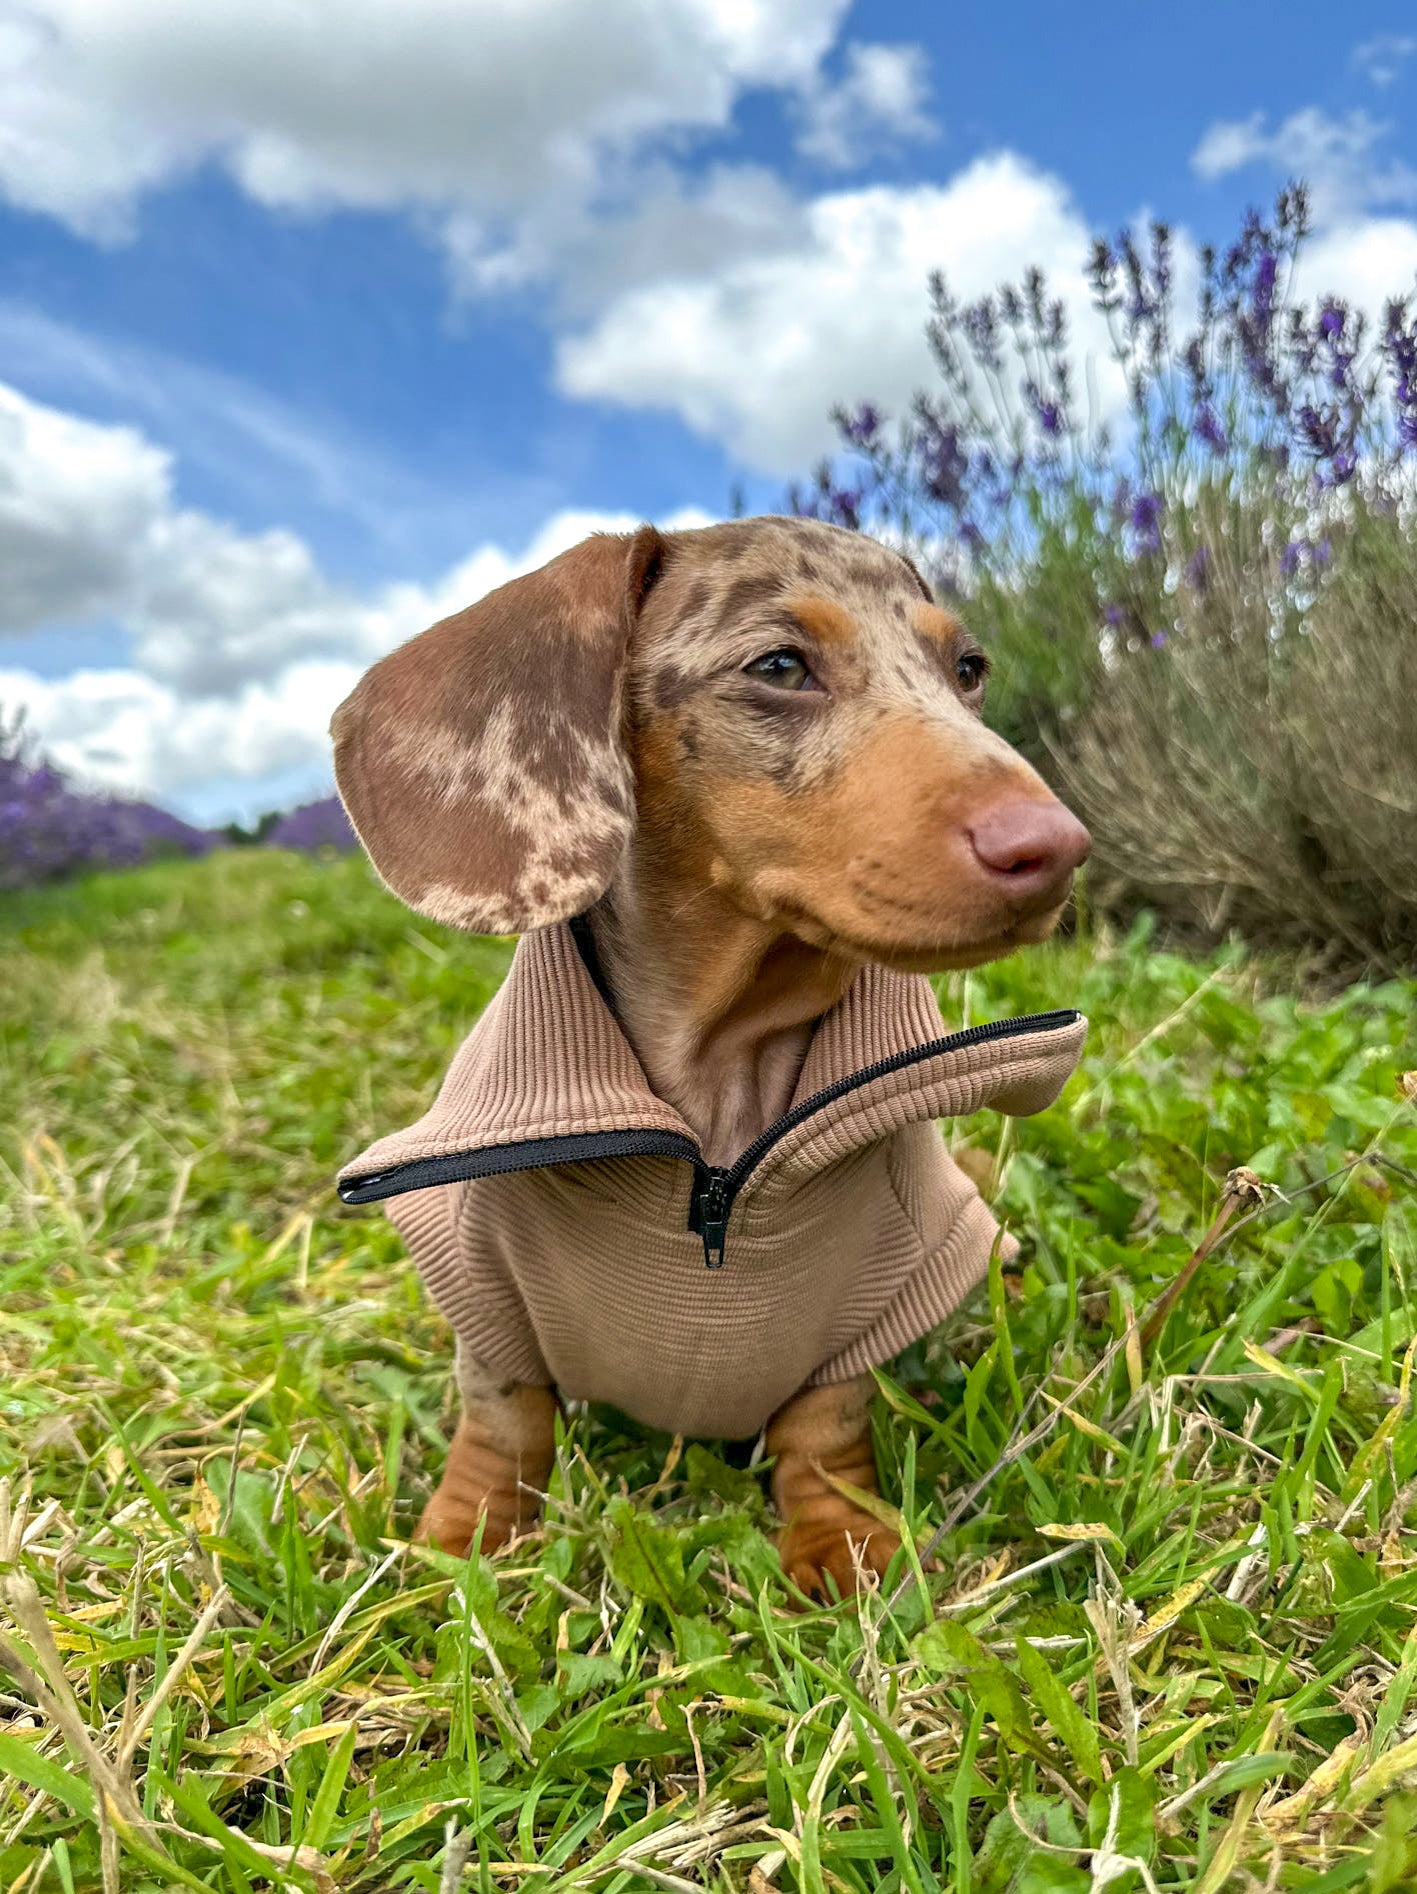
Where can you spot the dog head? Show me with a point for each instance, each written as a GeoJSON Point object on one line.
{"type": "Point", "coordinates": [776, 704]}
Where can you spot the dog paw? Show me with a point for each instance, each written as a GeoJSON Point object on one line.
{"type": "Point", "coordinates": [481, 1485]}
{"type": "Point", "coordinates": [826, 1558]}
{"type": "Point", "coordinates": [451, 1525]}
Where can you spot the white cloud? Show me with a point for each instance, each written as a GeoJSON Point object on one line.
{"type": "Point", "coordinates": [74, 501]}
{"type": "Point", "coordinates": [89, 528]}
{"type": "Point", "coordinates": [125, 731]}
{"type": "Point", "coordinates": [1229, 144]}
{"type": "Point", "coordinates": [67, 148]}
{"type": "Point", "coordinates": [1366, 262]}
{"type": "Point", "coordinates": [1382, 58]}
{"type": "Point", "coordinates": [756, 351]}
{"type": "Point", "coordinates": [433, 103]}
{"type": "Point", "coordinates": [1338, 158]}
{"type": "Point", "coordinates": [674, 225]}
{"type": "Point", "coordinates": [880, 101]}
{"type": "Point", "coordinates": [241, 644]}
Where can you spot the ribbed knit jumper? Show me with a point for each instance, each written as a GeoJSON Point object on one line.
{"type": "Point", "coordinates": [562, 1214]}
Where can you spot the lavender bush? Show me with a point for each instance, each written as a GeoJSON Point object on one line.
{"type": "Point", "coordinates": [49, 830]}
{"type": "Point", "coordinates": [1203, 613]}
{"type": "Point", "coordinates": [322, 824]}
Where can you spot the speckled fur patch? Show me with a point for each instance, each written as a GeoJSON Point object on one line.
{"type": "Point", "coordinates": [487, 764]}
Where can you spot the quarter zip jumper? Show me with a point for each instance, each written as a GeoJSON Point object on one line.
{"type": "Point", "coordinates": [562, 1214]}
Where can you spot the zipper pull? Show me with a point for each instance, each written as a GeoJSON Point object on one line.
{"type": "Point", "coordinates": [712, 1216]}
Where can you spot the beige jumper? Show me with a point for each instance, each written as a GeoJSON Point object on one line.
{"type": "Point", "coordinates": [562, 1215]}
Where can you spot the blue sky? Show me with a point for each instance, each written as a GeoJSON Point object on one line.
{"type": "Point", "coordinates": [303, 344]}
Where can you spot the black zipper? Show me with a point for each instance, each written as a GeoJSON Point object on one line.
{"type": "Point", "coordinates": [715, 1187]}
{"type": "Point", "coordinates": [493, 1160]}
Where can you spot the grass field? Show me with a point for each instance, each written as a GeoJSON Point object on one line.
{"type": "Point", "coordinates": [1172, 1636]}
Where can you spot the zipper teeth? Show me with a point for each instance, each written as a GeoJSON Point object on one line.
{"type": "Point", "coordinates": [496, 1160]}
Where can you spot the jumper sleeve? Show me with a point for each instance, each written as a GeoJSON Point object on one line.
{"type": "Point", "coordinates": [958, 1233]}
{"type": "Point", "coordinates": [465, 1282]}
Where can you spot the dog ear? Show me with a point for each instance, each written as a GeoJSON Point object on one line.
{"type": "Point", "coordinates": [483, 763]}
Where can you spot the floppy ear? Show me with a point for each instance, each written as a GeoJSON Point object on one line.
{"type": "Point", "coordinates": [483, 763]}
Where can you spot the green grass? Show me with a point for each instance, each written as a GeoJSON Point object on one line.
{"type": "Point", "coordinates": [223, 1399]}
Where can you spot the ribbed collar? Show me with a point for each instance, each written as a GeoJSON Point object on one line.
{"type": "Point", "coordinates": [548, 1059]}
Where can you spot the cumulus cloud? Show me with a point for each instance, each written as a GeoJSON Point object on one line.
{"type": "Point", "coordinates": [89, 528]}
{"type": "Point", "coordinates": [1338, 158]}
{"type": "Point", "coordinates": [755, 352]}
{"type": "Point", "coordinates": [879, 101]}
{"type": "Point", "coordinates": [1366, 261]}
{"type": "Point", "coordinates": [122, 730]}
{"type": "Point", "coordinates": [68, 148]}
{"type": "Point", "coordinates": [672, 225]}
{"type": "Point", "coordinates": [241, 644]}
{"type": "Point", "coordinates": [75, 500]}
{"type": "Point", "coordinates": [434, 102]}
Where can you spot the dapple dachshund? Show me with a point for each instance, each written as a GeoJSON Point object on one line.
{"type": "Point", "coordinates": [734, 790]}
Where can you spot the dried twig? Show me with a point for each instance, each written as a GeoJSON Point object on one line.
{"type": "Point", "coordinates": [1243, 1190]}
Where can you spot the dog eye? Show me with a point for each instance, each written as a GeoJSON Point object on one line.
{"type": "Point", "coordinates": [971, 668]}
{"type": "Point", "coordinates": [787, 669]}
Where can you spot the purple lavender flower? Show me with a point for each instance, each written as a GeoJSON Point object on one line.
{"type": "Point", "coordinates": [844, 507]}
{"type": "Point", "coordinates": [1279, 398]}
{"type": "Point", "coordinates": [1262, 297]}
{"type": "Point", "coordinates": [1146, 521]}
{"type": "Point", "coordinates": [862, 425]}
{"type": "Point", "coordinates": [1161, 257]}
{"type": "Point", "coordinates": [1157, 640]}
{"type": "Point", "coordinates": [49, 830]}
{"type": "Point", "coordinates": [981, 327]}
{"type": "Point", "coordinates": [1049, 414]}
{"type": "Point", "coordinates": [1318, 429]}
{"type": "Point", "coordinates": [944, 463]}
{"type": "Point", "coordinates": [1399, 346]}
{"type": "Point", "coordinates": [1342, 466]}
{"type": "Point", "coordinates": [1206, 427]}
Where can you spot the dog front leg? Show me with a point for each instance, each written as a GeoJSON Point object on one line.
{"type": "Point", "coordinates": [826, 1432]}
{"type": "Point", "coordinates": [497, 1465]}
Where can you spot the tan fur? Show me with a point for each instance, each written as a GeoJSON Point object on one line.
{"type": "Point", "coordinates": [823, 618]}
{"type": "Point", "coordinates": [937, 624]}
{"type": "Point", "coordinates": [587, 739]}
{"type": "Point", "coordinates": [825, 1435]}
{"type": "Point", "coordinates": [497, 1465]}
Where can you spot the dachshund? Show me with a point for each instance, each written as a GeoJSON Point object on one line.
{"type": "Point", "coordinates": [733, 788]}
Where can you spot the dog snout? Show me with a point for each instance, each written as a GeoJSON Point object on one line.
{"type": "Point", "coordinates": [1029, 849]}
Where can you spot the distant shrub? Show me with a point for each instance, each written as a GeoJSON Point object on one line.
{"type": "Point", "coordinates": [322, 824]}
{"type": "Point", "coordinates": [1236, 781]}
{"type": "Point", "coordinates": [49, 830]}
{"type": "Point", "coordinates": [1202, 617]}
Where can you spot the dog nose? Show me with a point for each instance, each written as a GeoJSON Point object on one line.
{"type": "Point", "coordinates": [1032, 846]}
